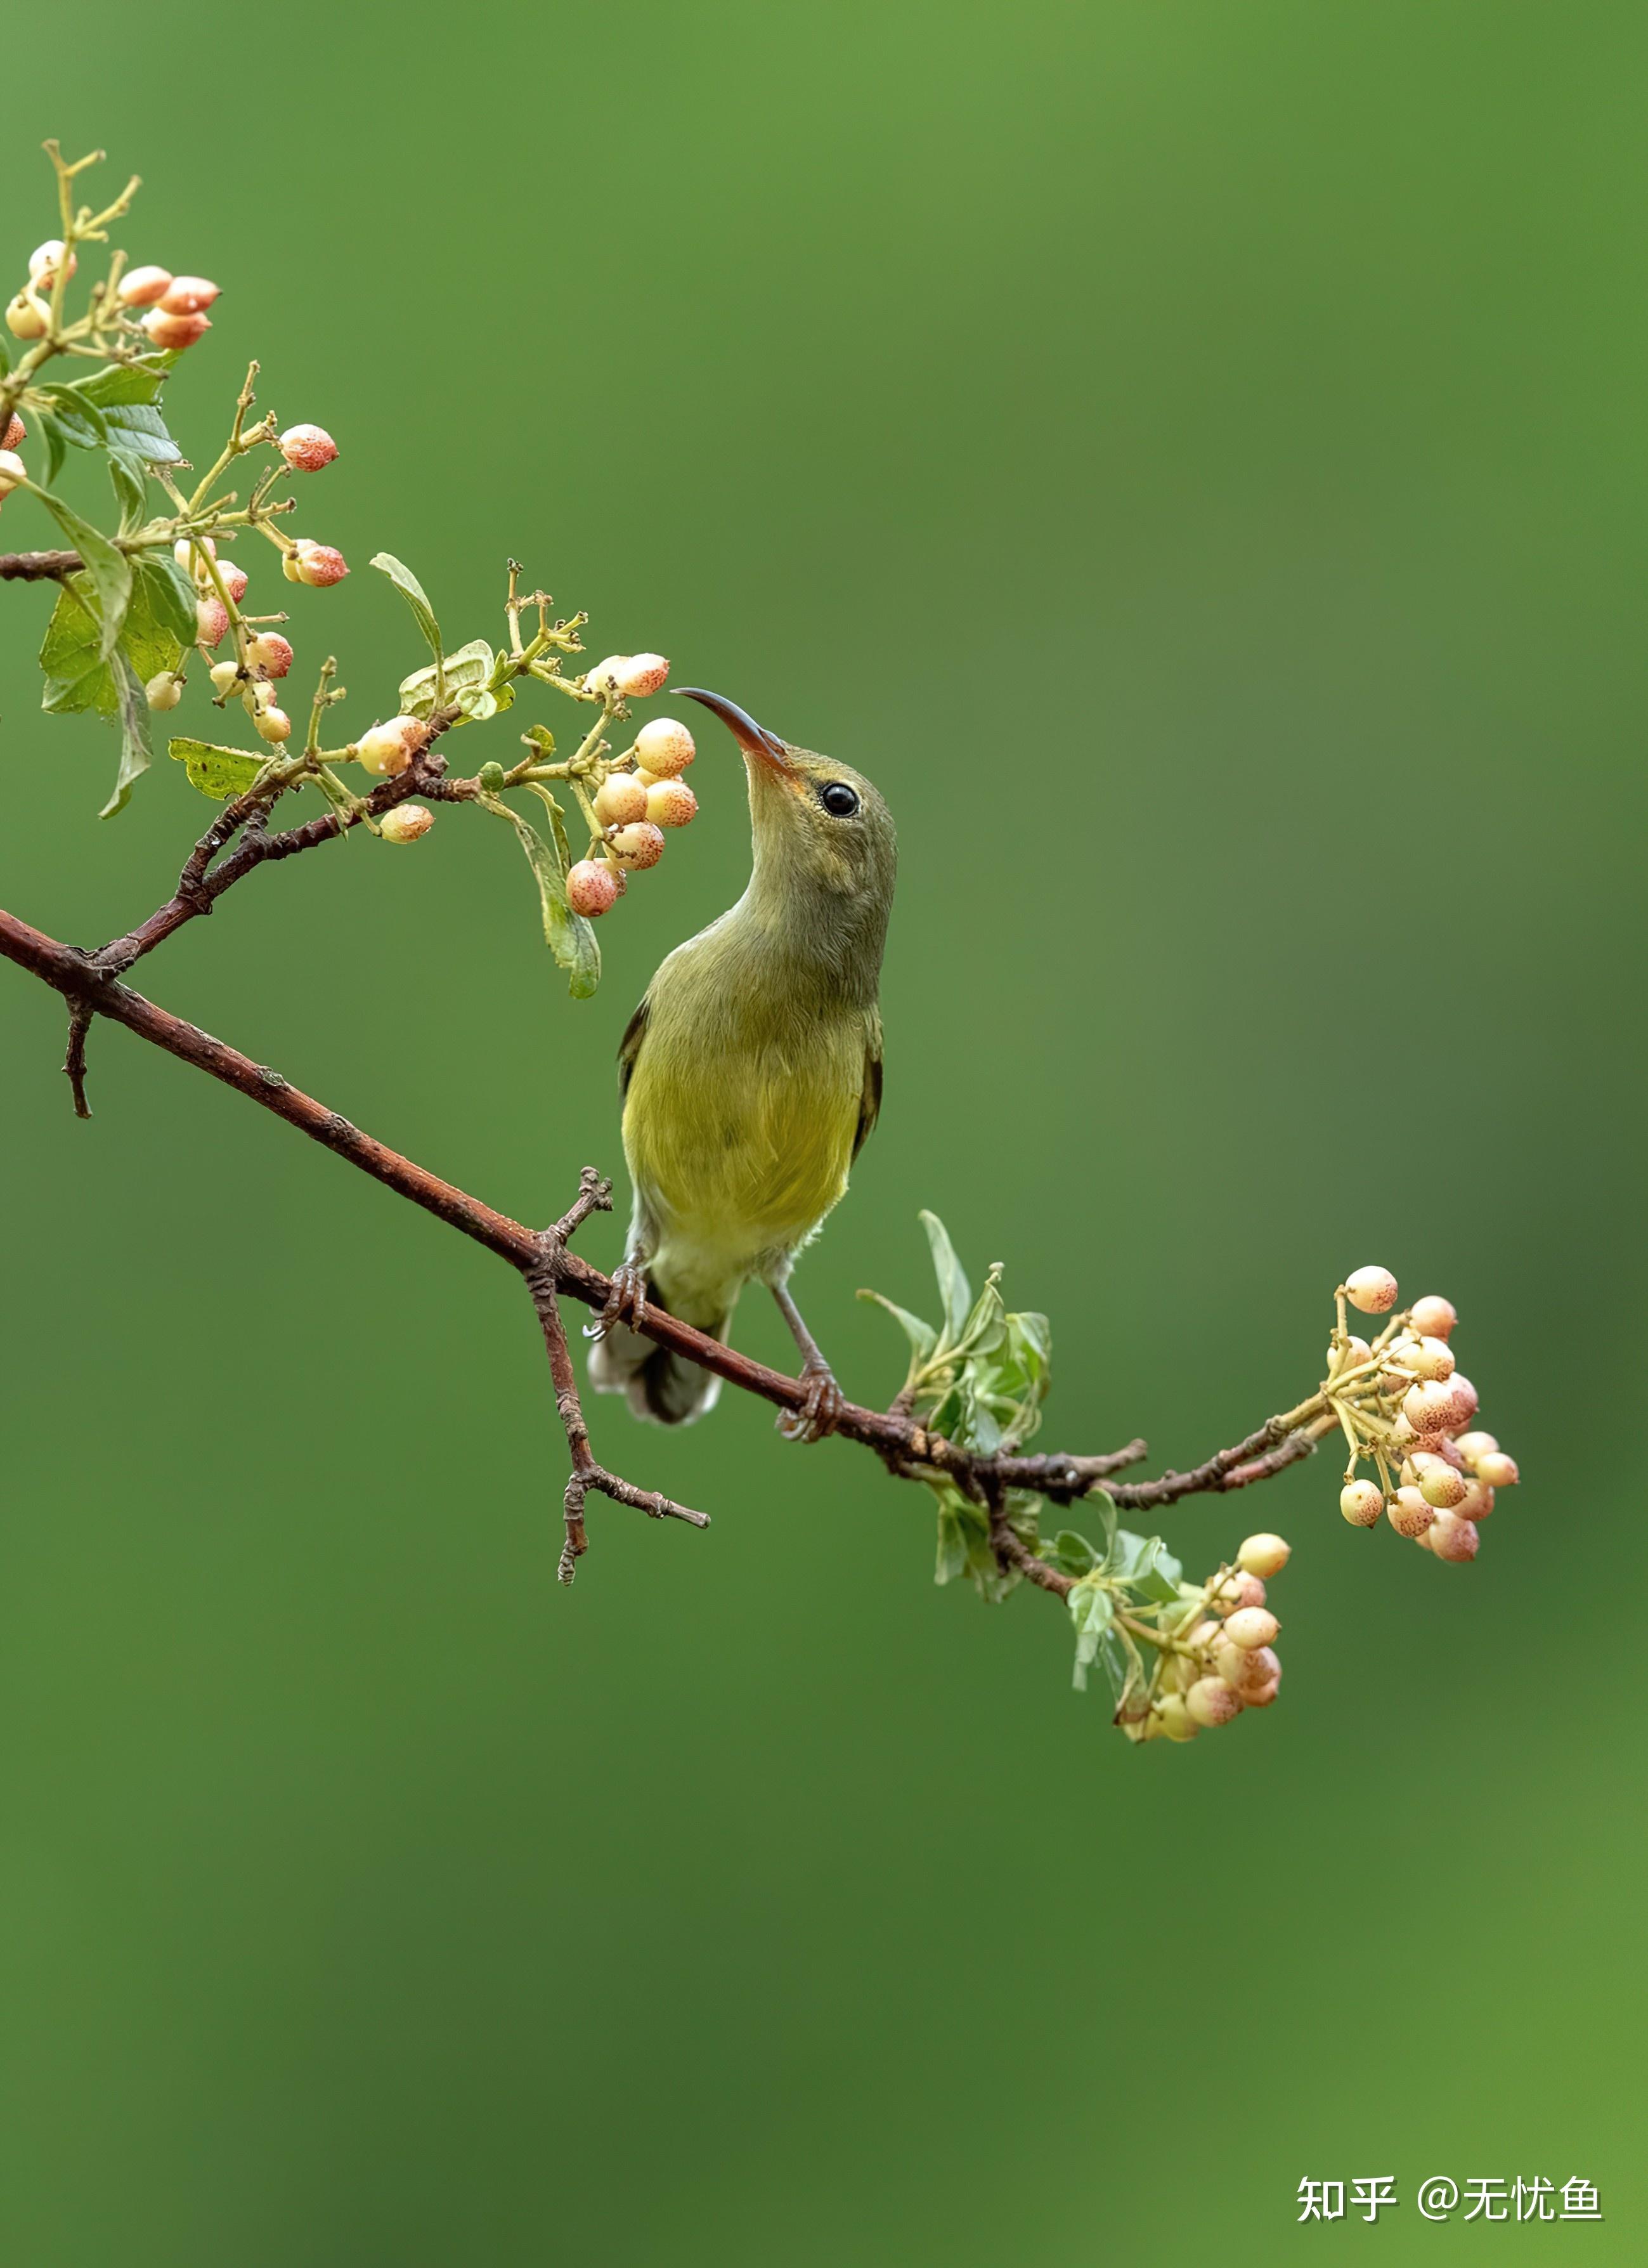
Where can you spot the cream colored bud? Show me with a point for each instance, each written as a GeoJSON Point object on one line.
{"type": "Point", "coordinates": [1351, 1356]}
{"type": "Point", "coordinates": [212, 620]}
{"type": "Point", "coordinates": [1439, 1483]}
{"type": "Point", "coordinates": [1373, 1289]}
{"type": "Point", "coordinates": [1245, 1667]}
{"type": "Point", "coordinates": [270, 652]}
{"type": "Point", "coordinates": [1251, 1626]}
{"type": "Point", "coordinates": [1264, 1555]}
{"type": "Point", "coordinates": [1408, 1513]}
{"type": "Point", "coordinates": [620, 799]}
{"type": "Point", "coordinates": [1454, 1539]}
{"type": "Point", "coordinates": [639, 845]}
{"type": "Point", "coordinates": [665, 748]}
{"type": "Point", "coordinates": [1433, 1317]}
{"type": "Point", "coordinates": [642, 674]}
{"type": "Point", "coordinates": [27, 317]}
{"type": "Point", "coordinates": [163, 691]}
{"type": "Point", "coordinates": [234, 579]}
{"type": "Point", "coordinates": [144, 286]}
{"type": "Point", "coordinates": [1174, 1715]}
{"type": "Point", "coordinates": [188, 552]}
{"type": "Point", "coordinates": [187, 295]}
{"type": "Point", "coordinates": [1429, 1358]}
{"type": "Point", "coordinates": [1497, 1471]}
{"type": "Point", "coordinates": [1361, 1502]}
{"type": "Point", "coordinates": [167, 330]}
{"type": "Point", "coordinates": [1472, 1445]}
{"type": "Point", "coordinates": [388, 749]}
{"type": "Point", "coordinates": [13, 470]}
{"type": "Point", "coordinates": [1210, 1701]}
{"type": "Point", "coordinates": [605, 675]}
{"type": "Point", "coordinates": [1465, 1401]}
{"type": "Point", "coordinates": [45, 261]}
{"type": "Point", "coordinates": [1237, 1589]}
{"type": "Point", "coordinates": [318, 564]}
{"type": "Point", "coordinates": [671, 803]}
{"type": "Point", "coordinates": [1477, 1501]}
{"type": "Point", "coordinates": [408, 823]}
{"type": "Point", "coordinates": [272, 724]}
{"type": "Point", "coordinates": [1428, 1406]}
{"type": "Point", "coordinates": [225, 676]}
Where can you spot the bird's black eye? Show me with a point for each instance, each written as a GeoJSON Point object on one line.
{"type": "Point", "coordinates": [838, 799]}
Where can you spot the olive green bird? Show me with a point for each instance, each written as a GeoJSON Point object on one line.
{"type": "Point", "coordinates": [751, 1075]}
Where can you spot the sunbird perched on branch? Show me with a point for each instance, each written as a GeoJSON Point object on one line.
{"type": "Point", "coordinates": [751, 1075]}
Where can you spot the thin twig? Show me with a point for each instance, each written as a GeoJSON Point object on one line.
{"type": "Point", "coordinates": [38, 566]}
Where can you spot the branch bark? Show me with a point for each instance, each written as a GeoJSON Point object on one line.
{"type": "Point", "coordinates": [38, 566]}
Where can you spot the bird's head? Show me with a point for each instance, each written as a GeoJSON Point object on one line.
{"type": "Point", "coordinates": [821, 832]}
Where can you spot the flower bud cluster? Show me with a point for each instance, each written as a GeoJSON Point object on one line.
{"type": "Point", "coordinates": [1218, 1649]}
{"type": "Point", "coordinates": [640, 796]}
{"type": "Point", "coordinates": [1409, 1409]}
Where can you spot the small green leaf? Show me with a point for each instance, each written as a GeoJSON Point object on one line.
{"type": "Point", "coordinates": [1070, 1552]}
{"type": "Point", "coordinates": [568, 935]}
{"type": "Point", "coordinates": [138, 435]}
{"type": "Point", "coordinates": [133, 723]}
{"type": "Point", "coordinates": [219, 773]}
{"type": "Point", "coordinates": [952, 1551]}
{"type": "Point", "coordinates": [164, 596]}
{"type": "Point", "coordinates": [51, 431]}
{"type": "Point", "coordinates": [953, 1288]}
{"type": "Point", "coordinates": [118, 385]}
{"type": "Point", "coordinates": [129, 495]}
{"type": "Point", "coordinates": [467, 672]}
{"type": "Point", "coordinates": [108, 570]}
{"type": "Point", "coordinates": [1093, 1611]}
{"type": "Point", "coordinates": [79, 419]}
{"type": "Point", "coordinates": [412, 590]}
{"type": "Point", "coordinates": [77, 676]}
{"type": "Point", "coordinates": [922, 1336]}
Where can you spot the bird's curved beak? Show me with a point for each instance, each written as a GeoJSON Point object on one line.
{"type": "Point", "coordinates": [755, 741]}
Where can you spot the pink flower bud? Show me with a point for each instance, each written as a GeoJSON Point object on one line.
{"type": "Point", "coordinates": [1238, 1589]}
{"type": "Point", "coordinates": [604, 677]}
{"type": "Point", "coordinates": [44, 259]}
{"type": "Point", "coordinates": [12, 469]}
{"type": "Point", "coordinates": [270, 652]}
{"type": "Point", "coordinates": [1472, 1445]}
{"type": "Point", "coordinates": [318, 564]}
{"type": "Point", "coordinates": [671, 803]}
{"type": "Point", "coordinates": [1251, 1626]}
{"type": "Point", "coordinates": [167, 330]}
{"type": "Point", "coordinates": [144, 286]}
{"type": "Point", "coordinates": [1264, 1555]}
{"type": "Point", "coordinates": [1261, 1696]}
{"type": "Point", "coordinates": [639, 845]}
{"type": "Point", "coordinates": [1454, 1539]}
{"type": "Point", "coordinates": [620, 799]}
{"type": "Point", "coordinates": [1477, 1501]}
{"type": "Point", "coordinates": [1373, 1289]}
{"type": "Point", "coordinates": [592, 887]}
{"type": "Point", "coordinates": [187, 547]}
{"type": "Point", "coordinates": [27, 317]}
{"type": "Point", "coordinates": [1408, 1513]}
{"type": "Point", "coordinates": [406, 824]}
{"type": "Point", "coordinates": [1433, 1317]}
{"type": "Point", "coordinates": [212, 620]}
{"type": "Point", "coordinates": [1465, 1403]}
{"type": "Point", "coordinates": [1210, 1701]}
{"type": "Point", "coordinates": [1361, 1502]}
{"type": "Point", "coordinates": [388, 749]}
{"type": "Point", "coordinates": [1439, 1483]}
{"type": "Point", "coordinates": [665, 748]}
{"type": "Point", "coordinates": [1428, 1357]}
{"type": "Point", "coordinates": [1497, 1471]}
{"type": "Point", "coordinates": [187, 295]}
{"type": "Point", "coordinates": [642, 674]}
{"type": "Point", "coordinates": [1351, 1356]}
{"type": "Point", "coordinates": [306, 448]}
{"type": "Point", "coordinates": [234, 579]}
{"type": "Point", "coordinates": [163, 691]}
{"type": "Point", "coordinates": [272, 724]}
{"type": "Point", "coordinates": [15, 435]}
{"type": "Point", "coordinates": [1246, 1667]}
{"type": "Point", "coordinates": [1429, 1406]}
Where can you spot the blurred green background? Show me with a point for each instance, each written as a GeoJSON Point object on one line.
{"type": "Point", "coordinates": [1193, 459]}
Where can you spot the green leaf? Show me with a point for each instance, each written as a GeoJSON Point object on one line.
{"type": "Point", "coordinates": [133, 723]}
{"type": "Point", "coordinates": [139, 435]}
{"type": "Point", "coordinates": [412, 590]}
{"type": "Point", "coordinates": [1145, 1563]}
{"type": "Point", "coordinates": [1093, 1611]}
{"type": "Point", "coordinates": [218, 772]}
{"type": "Point", "coordinates": [77, 676]}
{"type": "Point", "coordinates": [952, 1551]}
{"type": "Point", "coordinates": [118, 385]}
{"type": "Point", "coordinates": [79, 419]}
{"type": "Point", "coordinates": [55, 449]}
{"type": "Point", "coordinates": [163, 595]}
{"type": "Point", "coordinates": [129, 495]}
{"type": "Point", "coordinates": [953, 1288]}
{"type": "Point", "coordinates": [1072, 1553]}
{"type": "Point", "coordinates": [568, 935]}
{"type": "Point", "coordinates": [107, 571]}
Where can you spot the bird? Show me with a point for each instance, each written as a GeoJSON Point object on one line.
{"type": "Point", "coordinates": [750, 1078]}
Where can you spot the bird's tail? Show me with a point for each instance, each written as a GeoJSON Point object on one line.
{"type": "Point", "coordinates": [658, 1385]}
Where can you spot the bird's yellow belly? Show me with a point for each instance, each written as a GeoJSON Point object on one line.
{"type": "Point", "coordinates": [739, 1153]}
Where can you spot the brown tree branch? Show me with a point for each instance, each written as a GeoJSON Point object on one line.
{"type": "Point", "coordinates": [900, 1441]}
{"type": "Point", "coordinates": [38, 566]}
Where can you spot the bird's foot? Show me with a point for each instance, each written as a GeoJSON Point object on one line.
{"type": "Point", "coordinates": [626, 1302]}
{"type": "Point", "coordinates": [820, 1412]}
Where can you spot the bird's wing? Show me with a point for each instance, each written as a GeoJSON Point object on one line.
{"type": "Point", "coordinates": [870, 1102]}
{"type": "Point", "coordinates": [630, 1046]}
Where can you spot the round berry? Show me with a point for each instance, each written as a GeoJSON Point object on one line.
{"type": "Point", "coordinates": [1476, 1503]}
{"type": "Point", "coordinates": [1433, 1317]}
{"type": "Point", "coordinates": [163, 691]}
{"type": "Point", "coordinates": [318, 564]}
{"type": "Point", "coordinates": [1465, 1401]}
{"type": "Point", "coordinates": [620, 799]}
{"type": "Point", "coordinates": [27, 317]}
{"type": "Point", "coordinates": [1251, 1626]}
{"type": "Point", "coordinates": [671, 803]}
{"type": "Point", "coordinates": [1174, 1715]}
{"type": "Point", "coordinates": [1245, 1667]}
{"type": "Point", "coordinates": [388, 749]}
{"type": "Point", "coordinates": [212, 620]}
{"type": "Point", "coordinates": [1264, 1555]}
{"type": "Point", "coordinates": [12, 469]}
{"type": "Point", "coordinates": [1429, 1406]}
{"type": "Point", "coordinates": [46, 259]}
{"type": "Point", "coordinates": [1496, 1470]}
{"type": "Point", "coordinates": [272, 724]}
{"type": "Point", "coordinates": [1239, 1590]}
{"type": "Point", "coordinates": [1361, 1502]}
{"type": "Point", "coordinates": [1373, 1289]}
{"type": "Point", "coordinates": [224, 674]}
{"type": "Point", "coordinates": [1408, 1513]}
{"type": "Point", "coordinates": [1350, 1356]}
{"type": "Point", "coordinates": [642, 674]}
{"type": "Point", "coordinates": [1428, 1357]}
{"type": "Point", "coordinates": [1472, 1445]}
{"type": "Point", "coordinates": [270, 652]}
{"type": "Point", "coordinates": [306, 448]}
{"type": "Point", "coordinates": [591, 887]}
{"type": "Point", "coordinates": [187, 295]}
{"type": "Point", "coordinates": [1439, 1483]}
{"type": "Point", "coordinates": [665, 748]}
{"type": "Point", "coordinates": [167, 330]}
{"type": "Point", "coordinates": [604, 676]}
{"type": "Point", "coordinates": [406, 824]}
{"type": "Point", "coordinates": [1455, 1539]}
{"type": "Point", "coordinates": [641, 845]}
{"type": "Point", "coordinates": [142, 286]}
{"type": "Point", "coordinates": [1210, 1701]}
